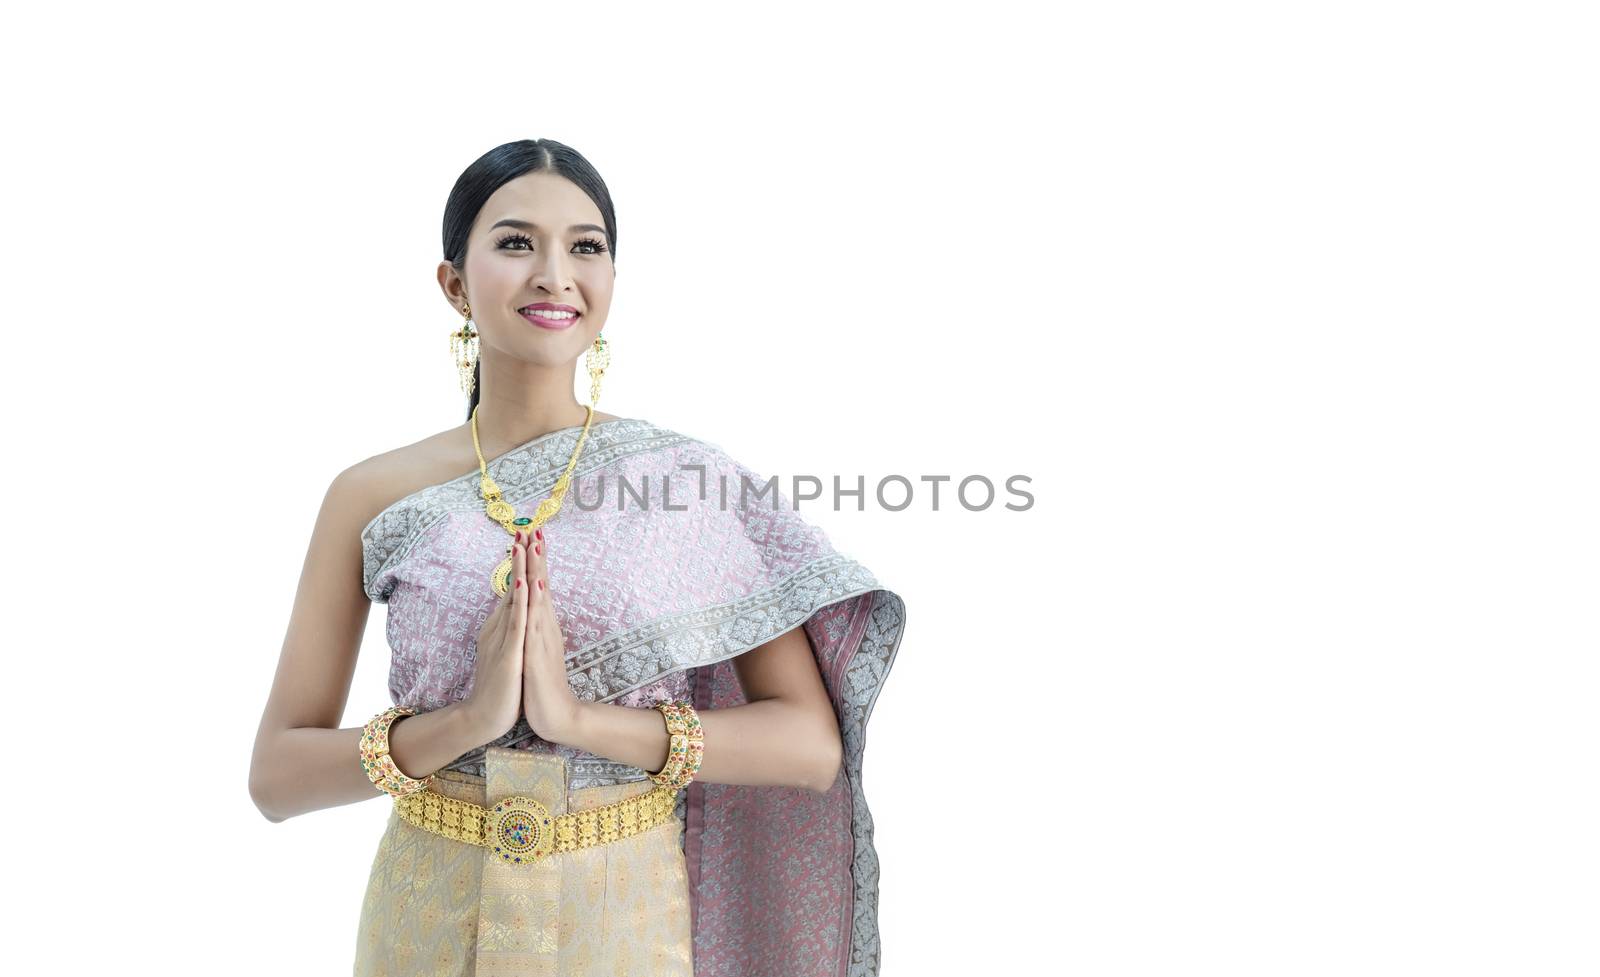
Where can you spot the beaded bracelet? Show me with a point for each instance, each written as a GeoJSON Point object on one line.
{"type": "Point", "coordinates": [375, 760]}
{"type": "Point", "coordinates": [685, 745]}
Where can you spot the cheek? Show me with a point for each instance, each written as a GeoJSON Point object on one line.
{"type": "Point", "coordinates": [493, 282]}
{"type": "Point", "coordinates": [596, 287]}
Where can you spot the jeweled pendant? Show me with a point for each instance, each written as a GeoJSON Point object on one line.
{"type": "Point", "coordinates": [501, 578]}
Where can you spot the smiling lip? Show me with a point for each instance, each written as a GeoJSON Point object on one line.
{"type": "Point", "coordinates": [555, 325]}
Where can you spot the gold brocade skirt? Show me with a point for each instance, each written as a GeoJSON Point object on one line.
{"type": "Point", "coordinates": [451, 909]}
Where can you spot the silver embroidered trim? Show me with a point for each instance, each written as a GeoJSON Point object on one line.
{"type": "Point", "coordinates": [863, 679]}
{"type": "Point", "coordinates": [627, 660]}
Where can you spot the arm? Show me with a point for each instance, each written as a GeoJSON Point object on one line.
{"type": "Point", "coordinates": [786, 735]}
{"type": "Point", "coordinates": [302, 761]}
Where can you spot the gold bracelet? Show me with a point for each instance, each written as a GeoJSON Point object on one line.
{"type": "Point", "coordinates": [685, 745]}
{"type": "Point", "coordinates": [376, 761]}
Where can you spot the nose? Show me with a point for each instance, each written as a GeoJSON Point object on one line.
{"type": "Point", "coordinates": [551, 271]}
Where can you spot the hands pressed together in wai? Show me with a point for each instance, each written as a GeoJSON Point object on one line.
{"type": "Point", "coordinates": [520, 668]}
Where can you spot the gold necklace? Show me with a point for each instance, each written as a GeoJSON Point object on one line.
{"type": "Point", "coordinates": [501, 511]}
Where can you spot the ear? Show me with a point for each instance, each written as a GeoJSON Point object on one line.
{"type": "Point", "coordinates": [453, 286]}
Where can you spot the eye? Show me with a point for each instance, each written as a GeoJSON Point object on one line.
{"type": "Point", "coordinates": [515, 236]}
{"type": "Point", "coordinates": [595, 245]}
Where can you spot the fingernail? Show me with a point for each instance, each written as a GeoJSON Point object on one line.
{"type": "Point", "coordinates": [541, 584]}
{"type": "Point", "coordinates": [539, 533]}
{"type": "Point", "coordinates": [519, 585]}
{"type": "Point", "coordinates": [536, 549]}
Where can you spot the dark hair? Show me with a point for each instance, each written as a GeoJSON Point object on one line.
{"type": "Point", "coordinates": [500, 166]}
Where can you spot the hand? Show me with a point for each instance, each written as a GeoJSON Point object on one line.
{"type": "Point", "coordinates": [547, 698]}
{"type": "Point", "coordinates": [496, 698]}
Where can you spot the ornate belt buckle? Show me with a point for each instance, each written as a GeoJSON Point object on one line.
{"type": "Point", "coordinates": [520, 830]}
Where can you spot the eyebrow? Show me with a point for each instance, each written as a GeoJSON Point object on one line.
{"type": "Point", "coordinates": [531, 226]}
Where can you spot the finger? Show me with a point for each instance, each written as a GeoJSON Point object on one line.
{"type": "Point", "coordinates": [509, 597]}
{"type": "Point", "coordinates": [541, 569]}
{"type": "Point", "coordinates": [519, 564]}
{"type": "Point", "coordinates": [519, 591]}
{"type": "Point", "coordinates": [523, 568]}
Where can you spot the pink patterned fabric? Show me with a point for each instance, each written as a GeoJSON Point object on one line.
{"type": "Point", "coordinates": [662, 572]}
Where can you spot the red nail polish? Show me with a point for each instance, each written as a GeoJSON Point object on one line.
{"type": "Point", "coordinates": [536, 550]}
{"type": "Point", "coordinates": [519, 585]}
{"type": "Point", "coordinates": [541, 584]}
{"type": "Point", "coordinates": [539, 533]}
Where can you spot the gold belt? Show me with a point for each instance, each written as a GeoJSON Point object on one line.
{"type": "Point", "coordinates": [522, 831]}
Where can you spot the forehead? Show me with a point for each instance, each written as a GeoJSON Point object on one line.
{"type": "Point", "coordinates": [548, 199]}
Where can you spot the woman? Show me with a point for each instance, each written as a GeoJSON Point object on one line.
{"type": "Point", "coordinates": [630, 684]}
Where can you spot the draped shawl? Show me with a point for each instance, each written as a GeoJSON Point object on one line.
{"type": "Point", "coordinates": [667, 560]}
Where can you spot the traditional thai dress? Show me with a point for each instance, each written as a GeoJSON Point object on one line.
{"type": "Point", "coordinates": [667, 560]}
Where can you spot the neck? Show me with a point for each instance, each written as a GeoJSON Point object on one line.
{"type": "Point", "coordinates": [502, 426]}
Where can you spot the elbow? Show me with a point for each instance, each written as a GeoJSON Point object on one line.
{"type": "Point", "coordinates": [263, 800]}
{"type": "Point", "coordinates": [826, 772]}
{"type": "Point", "coordinates": [266, 781]}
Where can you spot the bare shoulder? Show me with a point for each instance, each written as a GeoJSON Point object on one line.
{"type": "Point", "coordinates": [372, 484]}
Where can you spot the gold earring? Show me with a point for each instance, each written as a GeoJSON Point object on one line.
{"type": "Point", "coordinates": [597, 359]}
{"type": "Point", "coordinates": [464, 350]}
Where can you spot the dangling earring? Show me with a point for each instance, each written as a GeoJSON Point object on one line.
{"type": "Point", "coordinates": [464, 349]}
{"type": "Point", "coordinates": [597, 359]}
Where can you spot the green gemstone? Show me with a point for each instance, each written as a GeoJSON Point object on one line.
{"type": "Point", "coordinates": [521, 521]}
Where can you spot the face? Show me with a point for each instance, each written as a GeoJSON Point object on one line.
{"type": "Point", "coordinates": [538, 239]}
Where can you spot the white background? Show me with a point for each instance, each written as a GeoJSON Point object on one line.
{"type": "Point", "coordinates": [1287, 311]}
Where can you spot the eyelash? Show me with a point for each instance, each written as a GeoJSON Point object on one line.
{"type": "Point", "coordinates": [599, 245]}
